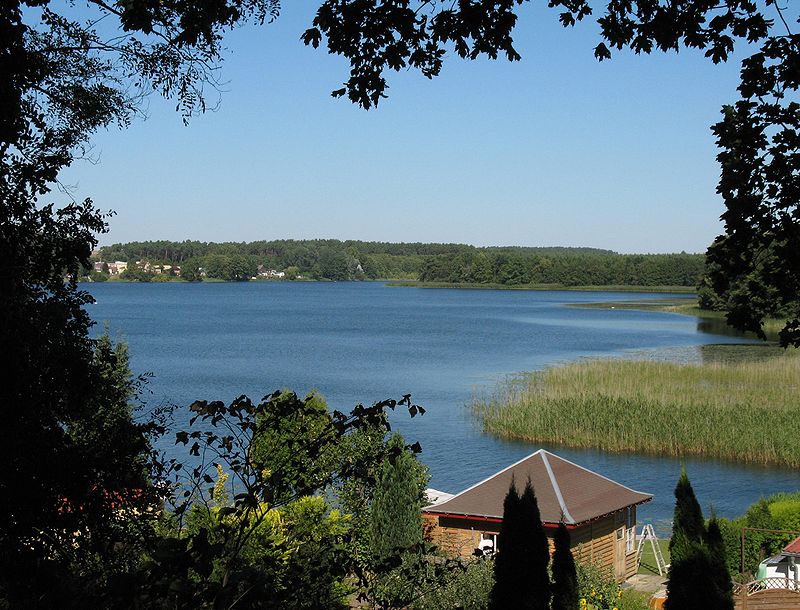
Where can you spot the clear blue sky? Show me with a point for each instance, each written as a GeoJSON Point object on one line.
{"type": "Point", "coordinates": [557, 149]}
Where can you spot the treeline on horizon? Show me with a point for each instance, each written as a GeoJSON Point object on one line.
{"type": "Point", "coordinates": [427, 262]}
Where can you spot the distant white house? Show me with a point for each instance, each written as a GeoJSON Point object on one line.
{"type": "Point", "coordinates": [117, 267]}
{"type": "Point", "coordinates": [785, 566]}
{"type": "Point", "coordinates": [270, 273]}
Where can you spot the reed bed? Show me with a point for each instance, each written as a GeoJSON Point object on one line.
{"type": "Point", "coordinates": [745, 411]}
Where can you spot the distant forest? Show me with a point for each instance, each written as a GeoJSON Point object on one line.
{"type": "Point", "coordinates": [453, 263]}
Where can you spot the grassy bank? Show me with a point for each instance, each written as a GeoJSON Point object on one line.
{"type": "Point", "coordinates": [745, 411]}
{"type": "Point", "coordinates": [772, 326]}
{"type": "Point", "coordinates": [473, 286]}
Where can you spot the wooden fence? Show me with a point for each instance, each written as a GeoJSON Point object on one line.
{"type": "Point", "coordinates": [767, 594]}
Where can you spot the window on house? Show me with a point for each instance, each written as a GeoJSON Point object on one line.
{"type": "Point", "coordinates": [630, 540]}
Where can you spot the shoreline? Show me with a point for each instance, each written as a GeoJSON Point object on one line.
{"type": "Point", "coordinates": [403, 283]}
{"type": "Point", "coordinates": [716, 318]}
{"type": "Point", "coordinates": [541, 287]}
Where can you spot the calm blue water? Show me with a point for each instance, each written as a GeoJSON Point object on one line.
{"type": "Point", "coordinates": [363, 342]}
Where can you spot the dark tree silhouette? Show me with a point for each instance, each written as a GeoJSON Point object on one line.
{"type": "Point", "coordinates": [508, 560]}
{"type": "Point", "coordinates": [688, 525]}
{"type": "Point", "coordinates": [698, 575]}
{"type": "Point", "coordinates": [565, 578]}
{"type": "Point", "coordinates": [719, 574]}
{"type": "Point", "coordinates": [521, 578]}
{"type": "Point", "coordinates": [537, 549]}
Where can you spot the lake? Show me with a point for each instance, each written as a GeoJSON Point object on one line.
{"type": "Point", "coordinates": [363, 342]}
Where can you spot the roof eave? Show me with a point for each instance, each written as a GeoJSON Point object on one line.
{"type": "Point", "coordinates": [495, 519]}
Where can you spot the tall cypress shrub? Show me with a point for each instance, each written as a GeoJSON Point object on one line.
{"type": "Point", "coordinates": [565, 578]}
{"type": "Point", "coordinates": [538, 579]}
{"type": "Point", "coordinates": [507, 561]}
{"type": "Point", "coordinates": [720, 576]}
{"type": "Point", "coordinates": [689, 586]}
{"type": "Point", "coordinates": [687, 525]}
{"type": "Point", "coordinates": [698, 578]}
{"type": "Point", "coordinates": [520, 569]}
{"type": "Point", "coordinates": [395, 516]}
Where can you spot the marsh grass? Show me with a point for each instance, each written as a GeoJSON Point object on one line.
{"type": "Point", "coordinates": [747, 411]}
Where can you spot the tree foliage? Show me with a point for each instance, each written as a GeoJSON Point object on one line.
{"type": "Point", "coordinates": [457, 263]}
{"type": "Point", "coordinates": [521, 579]}
{"type": "Point", "coordinates": [283, 446]}
{"type": "Point", "coordinates": [719, 574]}
{"type": "Point", "coordinates": [290, 551]}
{"type": "Point", "coordinates": [397, 503]}
{"type": "Point", "coordinates": [376, 37]}
{"type": "Point", "coordinates": [698, 575]}
{"type": "Point", "coordinates": [565, 578]}
{"type": "Point", "coordinates": [687, 523]}
{"type": "Point", "coordinates": [778, 512]}
{"type": "Point", "coordinates": [77, 474]}
{"type": "Point", "coordinates": [754, 268]}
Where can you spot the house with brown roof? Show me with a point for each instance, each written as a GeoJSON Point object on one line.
{"type": "Point", "coordinates": [599, 513]}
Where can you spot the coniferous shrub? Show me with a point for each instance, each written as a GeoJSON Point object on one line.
{"type": "Point", "coordinates": [395, 516]}
{"type": "Point", "coordinates": [521, 577]}
{"type": "Point", "coordinates": [688, 525]}
{"type": "Point", "coordinates": [537, 589]}
{"type": "Point", "coordinates": [698, 575]}
{"type": "Point", "coordinates": [719, 574]}
{"type": "Point", "coordinates": [505, 593]}
{"type": "Point", "coordinates": [565, 578]}
{"type": "Point", "coordinates": [395, 529]}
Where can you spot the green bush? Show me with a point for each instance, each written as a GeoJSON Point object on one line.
{"type": "Point", "coordinates": [467, 589]}
{"type": "Point", "coordinates": [778, 512]}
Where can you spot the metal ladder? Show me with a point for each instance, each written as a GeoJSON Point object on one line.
{"type": "Point", "coordinates": [649, 534]}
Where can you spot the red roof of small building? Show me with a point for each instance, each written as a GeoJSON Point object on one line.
{"type": "Point", "coordinates": [793, 547]}
{"type": "Point", "coordinates": [565, 492]}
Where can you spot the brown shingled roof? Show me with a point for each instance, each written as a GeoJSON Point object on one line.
{"type": "Point", "coordinates": [565, 491]}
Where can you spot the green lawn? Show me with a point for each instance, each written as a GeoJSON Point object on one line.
{"type": "Point", "coordinates": [648, 564]}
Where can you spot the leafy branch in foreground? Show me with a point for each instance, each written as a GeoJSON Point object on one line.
{"type": "Point", "coordinates": [272, 538]}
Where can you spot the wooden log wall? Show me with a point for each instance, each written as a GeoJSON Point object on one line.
{"type": "Point", "coordinates": [592, 543]}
